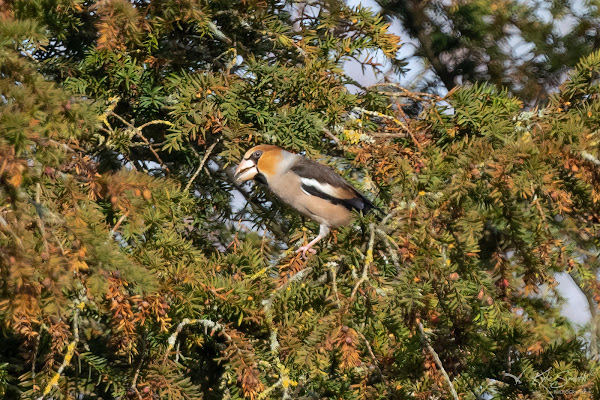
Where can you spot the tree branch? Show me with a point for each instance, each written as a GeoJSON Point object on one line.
{"type": "Point", "coordinates": [414, 17]}
{"type": "Point", "coordinates": [593, 306]}
{"type": "Point", "coordinates": [267, 305]}
{"type": "Point", "coordinates": [333, 268]}
{"type": "Point", "coordinates": [139, 367]}
{"type": "Point", "coordinates": [39, 219]}
{"type": "Point", "coordinates": [208, 324]}
{"type": "Point", "coordinates": [298, 276]}
{"type": "Point", "coordinates": [418, 96]}
{"type": "Point", "coordinates": [138, 131]}
{"type": "Point", "coordinates": [370, 350]}
{"type": "Point", "coordinates": [119, 222]}
{"type": "Point", "coordinates": [437, 360]}
{"type": "Point", "coordinates": [6, 226]}
{"type": "Point", "coordinates": [68, 356]}
{"type": "Point", "coordinates": [204, 159]}
{"type": "Point", "coordinates": [368, 262]}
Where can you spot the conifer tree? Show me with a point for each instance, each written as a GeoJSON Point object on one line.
{"type": "Point", "coordinates": [526, 47]}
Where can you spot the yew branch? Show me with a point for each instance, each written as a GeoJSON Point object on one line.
{"type": "Point", "coordinates": [68, 356]}
{"type": "Point", "coordinates": [437, 360]}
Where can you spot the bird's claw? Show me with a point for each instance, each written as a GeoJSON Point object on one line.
{"type": "Point", "coordinates": [305, 249]}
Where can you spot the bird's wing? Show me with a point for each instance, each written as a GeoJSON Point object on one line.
{"type": "Point", "coordinates": [322, 181]}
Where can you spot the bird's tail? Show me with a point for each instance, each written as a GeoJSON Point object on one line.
{"type": "Point", "coordinates": [368, 207]}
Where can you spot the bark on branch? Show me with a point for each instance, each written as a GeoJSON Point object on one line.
{"type": "Point", "coordinates": [437, 360]}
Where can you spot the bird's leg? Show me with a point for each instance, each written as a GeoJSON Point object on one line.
{"type": "Point", "coordinates": [308, 247]}
{"type": "Point", "coordinates": [323, 231]}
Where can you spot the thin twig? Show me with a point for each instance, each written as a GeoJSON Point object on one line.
{"type": "Point", "coordinates": [155, 122]}
{"type": "Point", "coordinates": [370, 350]}
{"type": "Point", "coordinates": [298, 276]}
{"type": "Point", "coordinates": [60, 246]}
{"type": "Point", "coordinates": [45, 141]}
{"type": "Point", "coordinates": [204, 159]}
{"type": "Point", "coordinates": [437, 360]}
{"type": "Point", "coordinates": [586, 252]}
{"type": "Point", "coordinates": [265, 393]}
{"type": "Point", "coordinates": [267, 305]}
{"type": "Point", "coordinates": [36, 349]}
{"type": "Point", "coordinates": [331, 136]}
{"type": "Point", "coordinates": [333, 268]}
{"type": "Point", "coordinates": [217, 33]}
{"type": "Point", "coordinates": [368, 262]}
{"type": "Point", "coordinates": [380, 115]}
{"type": "Point", "coordinates": [408, 130]}
{"type": "Point", "coordinates": [68, 356]}
{"type": "Point", "coordinates": [138, 131]}
{"type": "Point", "coordinates": [138, 393]}
{"type": "Point", "coordinates": [593, 307]}
{"type": "Point", "coordinates": [119, 222]}
{"type": "Point", "coordinates": [408, 93]}
{"type": "Point", "coordinates": [139, 367]}
{"type": "Point", "coordinates": [6, 226]}
{"type": "Point", "coordinates": [208, 324]}
{"type": "Point", "coordinates": [388, 134]}
{"type": "Point", "coordinates": [387, 241]}
{"type": "Point", "coordinates": [177, 352]}
{"type": "Point", "coordinates": [391, 118]}
{"type": "Point", "coordinates": [39, 219]}
{"type": "Point", "coordinates": [389, 216]}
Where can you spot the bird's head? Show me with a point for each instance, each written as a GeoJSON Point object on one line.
{"type": "Point", "coordinates": [260, 160]}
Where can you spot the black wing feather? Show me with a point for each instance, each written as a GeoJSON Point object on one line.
{"type": "Point", "coordinates": [310, 169]}
{"type": "Point", "coordinates": [313, 170]}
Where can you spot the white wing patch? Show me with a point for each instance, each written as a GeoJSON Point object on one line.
{"type": "Point", "coordinates": [322, 187]}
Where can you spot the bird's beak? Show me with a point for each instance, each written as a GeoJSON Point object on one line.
{"type": "Point", "coordinates": [245, 171]}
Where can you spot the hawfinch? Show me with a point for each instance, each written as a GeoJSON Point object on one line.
{"type": "Point", "coordinates": [313, 189]}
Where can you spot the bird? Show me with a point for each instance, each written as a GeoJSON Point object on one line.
{"type": "Point", "coordinates": [311, 188]}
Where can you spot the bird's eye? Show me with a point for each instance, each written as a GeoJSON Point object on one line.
{"type": "Point", "coordinates": [257, 154]}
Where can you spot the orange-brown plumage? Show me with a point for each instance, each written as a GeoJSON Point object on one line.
{"type": "Point", "coordinates": [267, 164]}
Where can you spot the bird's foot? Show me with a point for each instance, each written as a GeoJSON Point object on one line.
{"type": "Point", "coordinates": [306, 249]}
